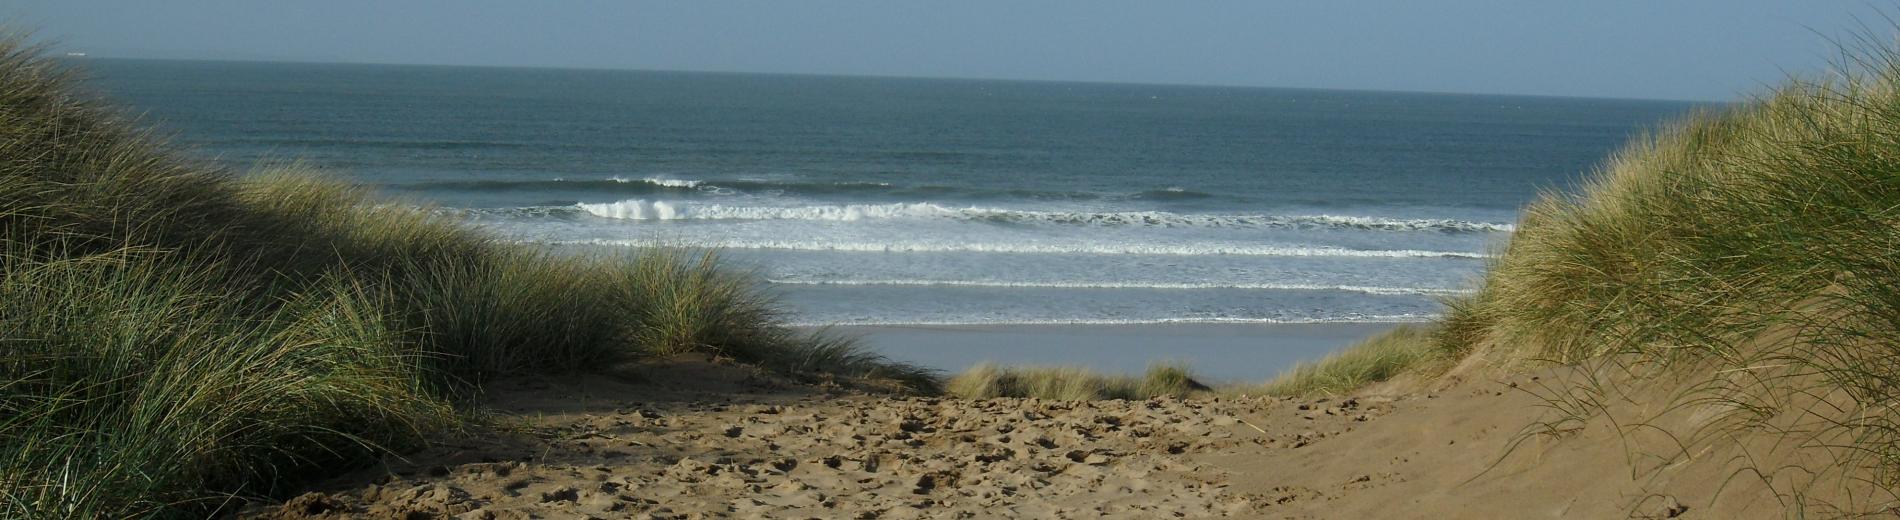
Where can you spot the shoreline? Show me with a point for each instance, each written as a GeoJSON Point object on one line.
{"type": "Point", "coordinates": [1217, 352]}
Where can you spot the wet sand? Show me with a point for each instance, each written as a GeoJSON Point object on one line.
{"type": "Point", "coordinates": [1218, 352]}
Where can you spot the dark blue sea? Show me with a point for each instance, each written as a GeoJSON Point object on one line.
{"type": "Point", "coordinates": [935, 201]}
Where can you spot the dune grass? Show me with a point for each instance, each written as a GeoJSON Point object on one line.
{"type": "Point", "coordinates": [987, 380]}
{"type": "Point", "coordinates": [175, 338]}
{"type": "Point", "coordinates": [1759, 241]}
{"type": "Point", "coordinates": [1750, 253]}
{"type": "Point", "coordinates": [136, 385]}
{"type": "Point", "coordinates": [1406, 348]}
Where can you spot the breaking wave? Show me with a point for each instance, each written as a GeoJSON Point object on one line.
{"type": "Point", "coordinates": [1133, 285]}
{"type": "Point", "coordinates": [664, 183]}
{"type": "Point", "coordinates": [665, 210]}
{"type": "Point", "coordinates": [1029, 248]}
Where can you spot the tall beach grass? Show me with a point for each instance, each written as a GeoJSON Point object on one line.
{"type": "Point", "coordinates": [1748, 254]}
{"type": "Point", "coordinates": [175, 338]}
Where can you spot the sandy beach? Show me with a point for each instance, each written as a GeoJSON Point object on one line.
{"type": "Point", "coordinates": [1218, 352]}
{"type": "Point", "coordinates": [696, 439]}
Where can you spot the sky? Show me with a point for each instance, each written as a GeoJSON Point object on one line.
{"type": "Point", "coordinates": [1657, 49]}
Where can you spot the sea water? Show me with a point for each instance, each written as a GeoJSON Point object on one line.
{"type": "Point", "coordinates": [935, 201]}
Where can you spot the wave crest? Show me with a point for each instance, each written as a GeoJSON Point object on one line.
{"type": "Point", "coordinates": [641, 209]}
{"type": "Point", "coordinates": [1029, 248]}
{"type": "Point", "coordinates": [664, 183]}
{"type": "Point", "coordinates": [1383, 291]}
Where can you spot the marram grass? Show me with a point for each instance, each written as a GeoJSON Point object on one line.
{"type": "Point", "coordinates": [1758, 247]}
{"type": "Point", "coordinates": [987, 380]}
{"type": "Point", "coordinates": [175, 339]}
{"type": "Point", "coordinates": [1403, 349]}
{"type": "Point", "coordinates": [1751, 253]}
{"type": "Point", "coordinates": [136, 385]}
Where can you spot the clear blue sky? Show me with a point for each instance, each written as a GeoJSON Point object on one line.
{"type": "Point", "coordinates": [1677, 49]}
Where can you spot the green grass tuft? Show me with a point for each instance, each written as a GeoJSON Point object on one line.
{"type": "Point", "coordinates": [1403, 349]}
{"type": "Point", "coordinates": [987, 380]}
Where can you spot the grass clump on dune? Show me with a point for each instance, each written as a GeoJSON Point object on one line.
{"type": "Point", "coordinates": [1759, 246]}
{"type": "Point", "coordinates": [174, 338]}
{"type": "Point", "coordinates": [135, 385]}
{"type": "Point", "coordinates": [1773, 222]}
{"type": "Point", "coordinates": [1406, 348]}
{"type": "Point", "coordinates": [986, 381]}
{"type": "Point", "coordinates": [1747, 258]}
{"type": "Point", "coordinates": [1751, 253]}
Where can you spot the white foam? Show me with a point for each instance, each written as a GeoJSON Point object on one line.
{"type": "Point", "coordinates": [1031, 248]}
{"type": "Point", "coordinates": [630, 209]}
{"type": "Point", "coordinates": [670, 183]}
{"type": "Point", "coordinates": [1402, 224]}
{"type": "Point", "coordinates": [1134, 285]}
{"type": "Point", "coordinates": [635, 210]}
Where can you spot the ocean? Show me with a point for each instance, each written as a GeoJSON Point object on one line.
{"type": "Point", "coordinates": [879, 201]}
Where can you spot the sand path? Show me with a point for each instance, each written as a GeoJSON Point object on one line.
{"type": "Point", "coordinates": [699, 440]}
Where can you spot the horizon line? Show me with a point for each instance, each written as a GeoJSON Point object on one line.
{"type": "Point", "coordinates": [90, 56]}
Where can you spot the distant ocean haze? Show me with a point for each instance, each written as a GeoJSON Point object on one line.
{"type": "Point", "coordinates": [921, 201]}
